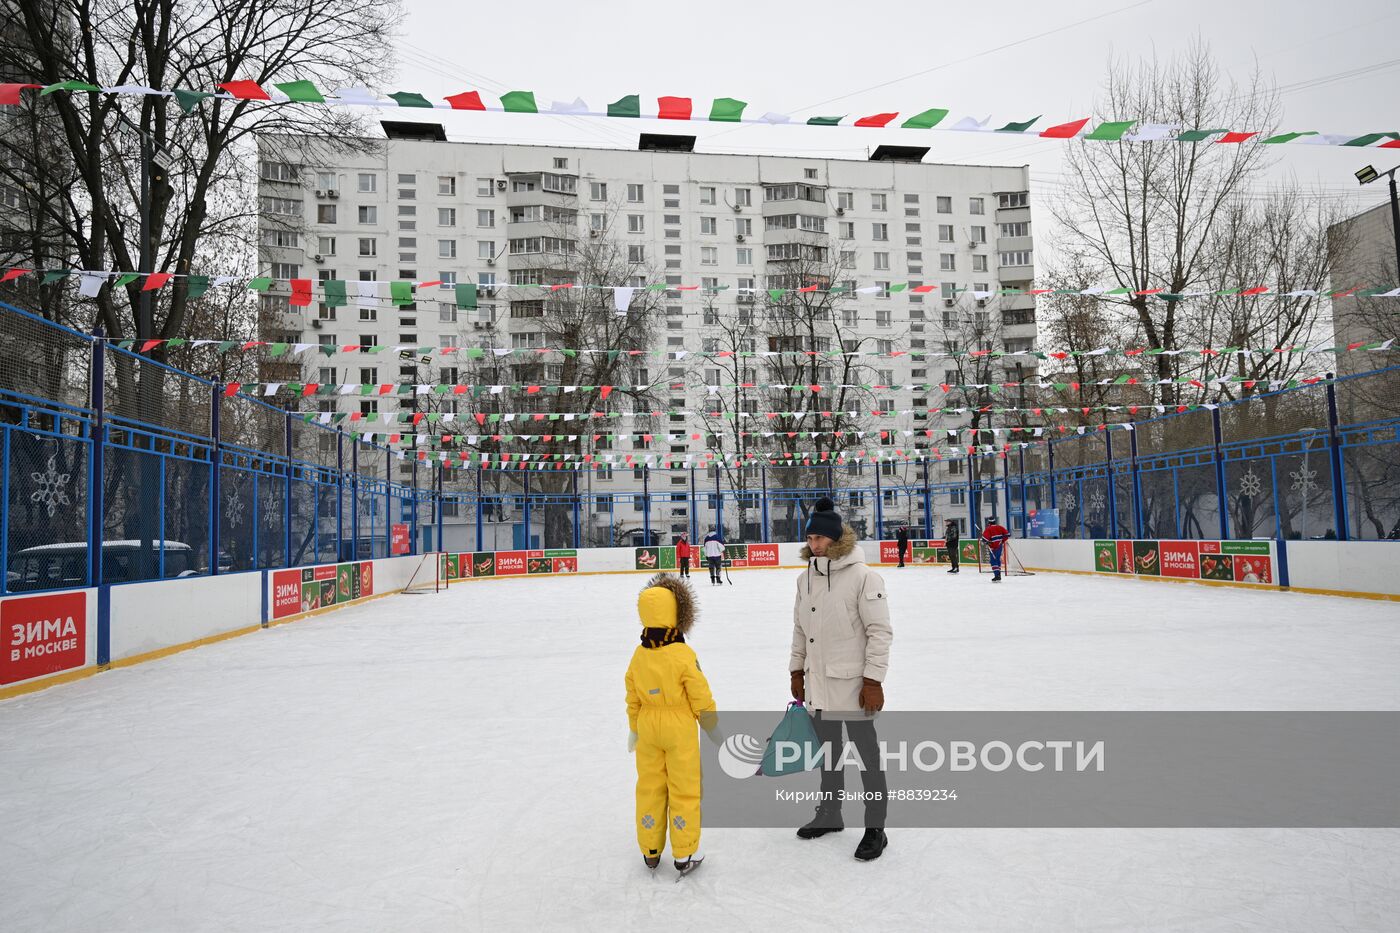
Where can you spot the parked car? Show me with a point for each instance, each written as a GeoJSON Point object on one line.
{"type": "Point", "coordinates": [65, 566]}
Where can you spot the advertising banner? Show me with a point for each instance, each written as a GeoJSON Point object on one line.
{"type": "Point", "coordinates": [42, 635]}
{"type": "Point", "coordinates": [398, 539]}
{"type": "Point", "coordinates": [309, 588]}
{"type": "Point", "coordinates": [1044, 523]}
{"type": "Point", "coordinates": [1225, 561]}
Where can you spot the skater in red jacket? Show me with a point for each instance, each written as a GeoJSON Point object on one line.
{"type": "Point", "coordinates": [683, 555]}
{"type": "Point", "coordinates": [995, 536]}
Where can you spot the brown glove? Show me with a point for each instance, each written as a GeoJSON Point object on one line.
{"type": "Point", "coordinates": [872, 695]}
{"type": "Point", "coordinates": [799, 683]}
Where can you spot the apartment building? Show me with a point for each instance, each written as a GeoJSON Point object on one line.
{"type": "Point", "coordinates": [415, 207]}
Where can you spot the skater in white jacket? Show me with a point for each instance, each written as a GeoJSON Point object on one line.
{"type": "Point", "coordinates": [714, 556]}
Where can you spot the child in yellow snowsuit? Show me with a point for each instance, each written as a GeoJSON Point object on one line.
{"type": "Point", "coordinates": [666, 694]}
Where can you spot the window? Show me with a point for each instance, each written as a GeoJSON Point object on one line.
{"type": "Point", "coordinates": [945, 204]}
{"type": "Point", "coordinates": [1017, 229]}
{"type": "Point", "coordinates": [884, 291]}
{"type": "Point", "coordinates": [368, 214]}
{"type": "Point", "coordinates": [743, 197]}
{"type": "Point", "coordinates": [877, 202]}
{"type": "Point", "coordinates": [1013, 199]}
{"type": "Point", "coordinates": [979, 263]}
{"type": "Point", "coordinates": [949, 292]}
{"type": "Point", "coordinates": [846, 229]}
{"type": "Point", "coordinates": [709, 255]}
{"type": "Point", "coordinates": [597, 221]}
{"type": "Point", "coordinates": [743, 256]}
{"type": "Point", "coordinates": [325, 246]}
{"type": "Point", "coordinates": [636, 223]}
{"type": "Point", "coordinates": [289, 207]}
{"type": "Point", "coordinates": [1015, 258]}
{"type": "Point", "coordinates": [974, 206]}
{"type": "Point", "coordinates": [368, 275]}
{"type": "Point", "coordinates": [945, 233]}
{"type": "Point", "coordinates": [367, 341]}
{"type": "Point", "coordinates": [979, 234]}
{"type": "Point", "coordinates": [561, 163]}
{"type": "Point", "coordinates": [848, 258]}
{"type": "Point", "coordinates": [947, 262]}
{"type": "Point", "coordinates": [743, 226]}
{"type": "Point", "coordinates": [879, 231]}
{"type": "Point", "coordinates": [636, 253]}
{"type": "Point", "coordinates": [288, 238]}
{"type": "Point", "coordinates": [278, 171]}
{"type": "Point", "coordinates": [328, 180]}
{"type": "Point", "coordinates": [883, 317]}
{"type": "Point", "coordinates": [846, 200]}
{"type": "Point", "coordinates": [809, 173]}
{"type": "Point", "coordinates": [286, 270]}
{"type": "Point", "coordinates": [708, 225]}
{"type": "Point", "coordinates": [486, 249]}
{"type": "Point", "coordinates": [447, 184]}
{"type": "Point", "coordinates": [369, 246]}
{"type": "Point", "coordinates": [636, 194]}
{"type": "Point", "coordinates": [485, 218]}
{"type": "Point", "coordinates": [597, 191]}
{"type": "Point", "coordinates": [707, 194]}
{"type": "Point", "coordinates": [408, 194]}
{"type": "Point", "coordinates": [369, 314]}
{"type": "Point", "coordinates": [882, 261]}
{"type": "Point", "coordinates": [486, 187]}
{"type": "Point", "coordinates": [447, 249]}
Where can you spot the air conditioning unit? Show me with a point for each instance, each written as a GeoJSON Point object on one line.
{"type": "Point", "coordinates": [500, 184]}
{"type": "Point", "coordinates": [333, 193]}
{"type": "Point", "coordinates": [738, 208]}
{"type": "Point", "coordinates": [318, 258]}
{"type": "Point", "coordinates": [738, 238]}
{"type": "Point", "coordinates": [973, 244]}
{"type": "Point", "coordinates": [981, 302]}
{"type": "Point", "coordinates": [479, 325]}
{"type": "Point", "coordinates": [840, 212]}
{"type": "Point", "coordinates": [316, 323]}
{"type": "Point", "coordinates": [949, 302]}
{"type": "Point", "coordinates": [490, 262]}
{"type": "Point", "coordinates": [594, 234]}
{"type": "Point", "coordinates": [320, 193]}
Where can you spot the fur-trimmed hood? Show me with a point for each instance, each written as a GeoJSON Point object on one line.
{"type": "Point", "coordinates": [839, 548]}
{"type": "Point", "coordinates": [672, 607]}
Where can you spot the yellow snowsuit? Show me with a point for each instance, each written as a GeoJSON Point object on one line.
{"type": "Point", "coordinates": [666, 694]}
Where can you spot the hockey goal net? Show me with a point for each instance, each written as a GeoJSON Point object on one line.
{"type": "Point", "coordinates": [426, 577]}
{"type": "Point", "coordinates": [1011, 565]}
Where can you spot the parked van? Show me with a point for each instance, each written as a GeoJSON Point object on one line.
{"type": "Point", "coordinates": [65, 566]}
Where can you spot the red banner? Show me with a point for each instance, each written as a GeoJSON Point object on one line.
{"type": "Point", "coordinates": [763, 555]}
{"type": "Point", "coordinates": [42, 635]}
{"type": "Point", "coordinates": [1180, 559]}
{"type": "Point", "coordinates": [398, 539]}
{"type": "Point", "coordinates": [286, 592]}
{"type": "Point", "coordinates": [510, 563]}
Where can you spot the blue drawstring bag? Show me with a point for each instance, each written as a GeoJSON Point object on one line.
{"type": "Point", "coordinates": [795, 728]}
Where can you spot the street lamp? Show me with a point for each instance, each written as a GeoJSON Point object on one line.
{"type": "Point", "coordinates": [1369, 174]}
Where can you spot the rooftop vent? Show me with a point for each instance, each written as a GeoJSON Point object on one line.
{"type": "Point", "coordinates": [662, 142]}
{"type": "Point", "coordinates": [899, 153]}
{"type": "Point", "coordinates": [398, 129]}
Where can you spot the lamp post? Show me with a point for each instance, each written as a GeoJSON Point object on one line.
{"type": "Point", "coordinates": [1367, 175]}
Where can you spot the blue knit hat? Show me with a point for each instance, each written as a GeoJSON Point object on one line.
{"type": "Point", "coordinates": [825, 520]}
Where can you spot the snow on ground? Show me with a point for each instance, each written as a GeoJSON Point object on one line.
{"type": "Point", "coordinates": [458, 762]}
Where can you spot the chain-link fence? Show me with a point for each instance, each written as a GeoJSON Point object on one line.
{"type": "Point", "coordinates": [175, 478]}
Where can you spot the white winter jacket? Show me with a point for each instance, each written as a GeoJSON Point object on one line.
{"type": "Point", "coordinates": [840, 626]}
{"type": "Point", "coordinates": [714, 548]}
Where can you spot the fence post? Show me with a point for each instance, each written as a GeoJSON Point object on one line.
{"type": "Point", "coordinates": [1021, 472]}
{"type": "Point", "coordinates": [1006, 491]}
{"type": "Point", "coordinates": [413, 532]}
{"type": "Point", "coordinates": [525, 509]}
{"type": "Point", "coordinates": [388, 503]}
{"type": "Point", "coordinates": [719, 504]}
{"type": "Point", "coordinates": [440, 469]}
{"type": "Point", "coordinates": [1050, 466]}
{"type": "Point", "coordinates": [694, 509]}
{"type": "Point", "coordinates": [478, 508]}
{"type": "Point", "coordinates": [646, 505]}
{"type": "Point", "coordinates": [354, 500]}
{"type": "Point", "coordinates": [1137, 480]}
{"type": "Point", "coordinates": [577, 511]}
{"type": "Point", "coordinates": [1223, 504]}
{"type": "Point", "coordinates": [971, 497]}
{"type": "Point", "coordinates": [1112, 484]}
{"type": "Point", "coordinates": [928, 501]}
{"type": "Point", "coordinates": [215, 486]}
{"type": "Point", "coordinates": [879, 504]}
{"type": "Point", "coordinates": [97, 457]}
{"type": "Point", "coordinates": [830, 483]}
{"type": "Point", "coordinates": [339, 495]}
{"type": "Point", "coordinates": [1334, 447]}
{"type": "Point", "coordinates": [763, 503]}
{"type": "Point", "coordinates": [287, 499]}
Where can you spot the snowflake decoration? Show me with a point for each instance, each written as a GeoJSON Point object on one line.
{"type": "Point", "coordinates": [1067, 499]}
{"type": "Point", "coordinates": [1304, 479]}
{"type": "Point", "coordinates": [51, 493]}
{"type": "Point", "coordinates": [235, 511]}
{"type": "Point", "coordinates": [1250, 483]}
{"type": "Point", "coordinates": [1097, 502]}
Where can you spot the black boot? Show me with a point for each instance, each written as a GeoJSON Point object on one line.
{"type": "Point", "coordinates": [828, 820]}
{"type": "Point", "coordinates": [871, 845]}
{"type": "Point", "coordinates": [652, 860]}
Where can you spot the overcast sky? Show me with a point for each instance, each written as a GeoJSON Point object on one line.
{"type": "Point", "coordinates": [1011, 59]}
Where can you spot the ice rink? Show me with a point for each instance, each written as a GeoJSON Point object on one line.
{"type": "Point", "coordinates": [458, 762]}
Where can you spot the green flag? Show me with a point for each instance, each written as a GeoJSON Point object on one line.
{"type": "Point", "coordinates": [125, 279]}
{"type": "Point", "coordinates": [401, 293]}
{"type": "Point", "coordinates": [629, 106]}
{"type": "Point", "coordinates": [410, 99]}
{"type": "Point", "coordinates": [825, 121]}
{"type": "Point", "coordinates": [261, 284]}
{"type": "Point", "coordinates": [196, 286]}
{"type": "Point", "coordinates": [1111, 131]}
{"type": "Point", "coordinates": [335, 292]}
{"type": "Point", "coordinates": [188, 100]}
{"type": "Point", "coordinates": [1196, 136]}
{"type": "Point", "coordinates": [727, 110]}
{"type": "Point", "coordinates": [926, 120]}
{"type": "Point", "coordinates": [301, 91]}
{"type": "Point", "coordinates": [1018, 127]}
{"type": "Point", "coordinates": [51, 277]}
{"type": "Point", "coordinates": [69, 86]}
{"type": "Point", "coordinates": [519, 102]}
{"type": "Point", "coordinates": [466, 296]}
{"type": "Point", "coordinates": [1286, 137]}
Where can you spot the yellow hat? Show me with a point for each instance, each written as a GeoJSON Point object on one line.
{"type": "Point", "coordinates": [667, 602]}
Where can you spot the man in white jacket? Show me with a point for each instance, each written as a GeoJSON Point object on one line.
{"type": "Point", "coordinates": [841, 639]}
{"type": "Point", "coordinates": [714, 556]}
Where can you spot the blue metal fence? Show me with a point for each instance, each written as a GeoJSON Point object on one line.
{"type": "Point", "coordinates": [98, 444]}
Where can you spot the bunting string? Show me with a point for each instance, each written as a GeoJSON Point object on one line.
{"type": "Point", "coordinates": [728, 110]}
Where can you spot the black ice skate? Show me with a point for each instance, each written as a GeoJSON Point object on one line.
{"type": "Point", "coordinates": [652, 861]}
{"type": "Point", "coordinates": [828, 820]}
{"type": "Point", "coordinates": [871, 845]}
{"type": "Point", "coordinates": [688, 865]}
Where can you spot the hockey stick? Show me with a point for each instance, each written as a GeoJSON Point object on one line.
{"type": "Point", "coordinates": [726, 574]}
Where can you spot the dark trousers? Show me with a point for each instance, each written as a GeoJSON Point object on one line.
{"type": "Point", "coordinates": [685, 565]}
{"type": "Point", "coordinates": [903, 549]}
{"type": "Point", "coordinates": [714, 569]}
{"type": "Point", "coordinates": [953, 556]}
{"type": "Point", "coordinates": [861, 733]}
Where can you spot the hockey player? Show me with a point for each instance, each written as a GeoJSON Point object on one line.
{"type": "Point", "coordinates": [995, 536]}
{"type": "Point", "coordinates": [666, 694]}
{"type": "Point", "coordinates": [714, 556]}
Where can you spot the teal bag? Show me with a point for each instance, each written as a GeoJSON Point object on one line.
{"type": "Point", "coordinates": [796, 728]}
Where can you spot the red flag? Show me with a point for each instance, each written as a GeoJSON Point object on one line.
{"type": "Point", "coordinates": [155, 280]}
{"type": "Point", "coordinates": [385, 388]}
{"type": "Point", "coordinates": [1258, 289]}
{"type": "Point", "coordinates": [12, 274]}
{"type": "Point", "coordinates": [245, 90]}
{"type": "Point", "coordinates": [809, 288]}
{"type": "Point", "coordinates": [1236, 137]}
{"type": "Point", "coordinates": [9, 93]}
{"type": "Point", "coordinates": [148, 345]}
{"type": "Point", "coordinates": [1065, 130]}
{"type": "Point", "coordinates": [301, 293]}
{"type": "Point", "coordinates": [467, 100]}
{"type": "Point", "coordinates": [878, 119]}
{"type": "Point", "coordinates": [673, 108]}
{"type": "Point", "coordinates": [232, 389]}
{"type": "Point", "coordinates": [604, 392]}
{"type": "Point", "coordinates": [310, 389]}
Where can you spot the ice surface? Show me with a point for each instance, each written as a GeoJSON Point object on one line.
{"type": "Point", "coordinates": [458, 762]}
